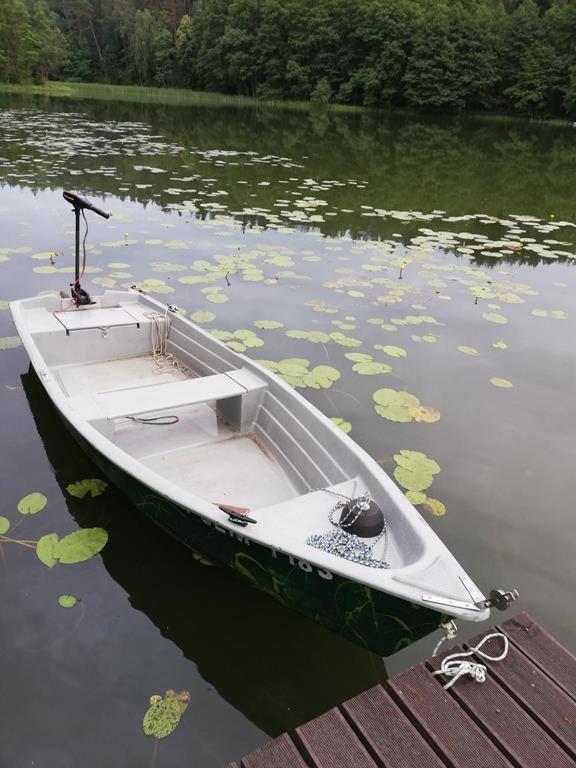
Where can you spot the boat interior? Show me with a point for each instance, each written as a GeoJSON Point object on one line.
{"type": "Point", "coordinates": [186, 407]}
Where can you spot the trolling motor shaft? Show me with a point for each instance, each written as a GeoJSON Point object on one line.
{"type": "Point", "coordinates": [79, 203]}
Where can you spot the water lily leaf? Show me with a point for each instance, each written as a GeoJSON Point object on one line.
{"type": "Point", "coordinates": [468, 350]}
{"type": "Point", "coordinates": [345, 426]}
{"type": "Point", "coordinates": [499, 345]}
{"type": "Point", "coordinates": [434, 506]}
{"type": "Point", "coordinates": [424, 414]}
{"type": "Point", "coordinates": [539, 313]}
{"type": "Point", "coordinates": [417, 480]}
{"type": "Point", "coordinates": [321, 377]}
{"type": "Point", "coordinates": [4, 524]}
{"type": "Point", "coordinates": [393, 351]}
{"type": "Point", "coordinates": [345, 341]}
{"type": "Point", "coordinates": [270, 364]}
{"type": "Point", "coordinates": [32, 503]}
{"type": "Point", "coordinates": [237, 346]}
{"type": "Point", "coordinates": [494, 317]}
{"type": "Point", "coordinates": [217, 298]}
{"type": "Point", "coordinates": [358, 357]}
{"type": "Point", "coordinates": [164, 714]}
{"type": "Point", "coordinates": [10, 342]}
{"type": "Point", "coordinates": [268, 324]}
{"type": "Point", "coordinates": [371, 368]}
{"type": "Point", "coordinates": [416, 461]}
{"type": "Point", "coordinates": [295, 366]}
{"type": "Point", "coordinates": [80, 545]}
{"type": "Point", "coordinates": [67, 601]}
{"type": "Point", "coordinates": [45, 549]}
{"type": "Point", "coordinates": [504, 383]}
{"type": "Point", "coordinates": [92, 486]}
{"type": "Point", "coordinates": [394, 405]}
{"type": "Point", "coordinates": [202, 317]}
{"type": "Point", "coordinates": [416, 497]}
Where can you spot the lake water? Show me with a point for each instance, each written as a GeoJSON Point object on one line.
{"type": "Point", "coordinates": [441, 250]}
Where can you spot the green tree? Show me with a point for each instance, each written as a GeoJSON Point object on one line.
{"type": "Point", "coordinates": [17, 42]}
{"type": "Point", "coordinates": [538, 85]}
{"type": "Point", "coordinates": [51, 45]}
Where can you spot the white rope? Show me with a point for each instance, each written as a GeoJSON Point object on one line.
{"type": "Point", "coordinates": [456, 666]}
{"type": "Point", "coordinates": [160, 328]}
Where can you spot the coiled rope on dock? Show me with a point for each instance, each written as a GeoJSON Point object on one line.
{"type": "Point", "coordinates": [456, 665]}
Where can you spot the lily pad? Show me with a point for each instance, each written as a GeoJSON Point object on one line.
{"type": "Point", "coordinates": [371, 368]}
{"type": "Point", "coordinates": [413, 480]}
{"type": "Point", "coordinates": [80, 545]}
{"type": "Point", "coordinates": [394, 405]}
{"type": "Point", "coordinates": [434, 506]}
{"type": "Point", "coordinates": [4, 524]}
{"type": "Point", "coordinates": [416, 497]}
{"type": "Point", "coordinates": [416, 461]}
{"type": "Point", "coordinates": [393, 351]}
{"type": "Point", "coordinates": [10, 342]}
{"type": "Point", "coordinates": [494, 317]}
{"type": "Point", "coordinates": [468, 350]}
{"type": "Point", "coordinates": [202, 317]}
{"type": "Point", "coordinates": [268, 324]}
{"type": "Point", "coordinates": [425, 414]}
{"type": "Point", "coordinates": [32, 503]}
{"type": "Point", "coordinates": [358, 357]}
{"type": "Point", "coordinates": [345, 426]}
{"type": "Point", "coordinates": [499, 345]}
{"type": "Point", "coordinates": [504, 383]}
{"type": "Point", "coordinates": [92, 486]}
{"type": "Point", "coordinates": [45, 549]}
{"type": "Point", "coordinates": [67, 601]}
{"type": "Point", "coordinates": [165, 713]}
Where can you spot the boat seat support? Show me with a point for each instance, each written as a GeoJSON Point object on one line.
{"type": "Point", "coordinates": [237, 392]}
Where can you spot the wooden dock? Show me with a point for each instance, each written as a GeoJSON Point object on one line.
{"type": "Point", "coordinates": [523, 715]}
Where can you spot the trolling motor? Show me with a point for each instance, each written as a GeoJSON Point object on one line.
{"type": "Point", "coordinates": [79, 203]}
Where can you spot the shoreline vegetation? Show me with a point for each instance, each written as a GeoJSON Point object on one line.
{"type": "Point", "coordinates": [183, 97]}
{"type": "Point", "coordinates": [444, 56]}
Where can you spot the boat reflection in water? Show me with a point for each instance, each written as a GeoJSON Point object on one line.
{"type": "Point", "coordinates": [263, 658]}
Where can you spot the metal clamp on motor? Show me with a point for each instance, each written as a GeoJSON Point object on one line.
{"type": "Point", "coordinates": [234, 516]}
{"type": "Point", "coordinates": [499, 599]}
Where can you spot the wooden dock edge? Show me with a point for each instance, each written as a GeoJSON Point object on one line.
{"type": "Point", "coordinates": [522, 716]}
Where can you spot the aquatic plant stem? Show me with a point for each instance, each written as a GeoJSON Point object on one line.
{"type": "Point", "coordinates": [24, 542]}
{"type": "Point", "coordinates": [154, 753]}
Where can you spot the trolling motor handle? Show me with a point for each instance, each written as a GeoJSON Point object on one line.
{"type": "Point", "coordinates": [80, 202]}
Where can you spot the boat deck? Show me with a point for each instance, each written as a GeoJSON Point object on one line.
{"type": "Point", "coordinates": [522, 716]}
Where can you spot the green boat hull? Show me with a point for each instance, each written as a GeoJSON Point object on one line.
{"type": "Point", "coordinates": [375, 620]}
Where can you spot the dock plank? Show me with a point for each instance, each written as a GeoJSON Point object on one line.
{"type": "Point", "coordinates": [280, 753]}
{"type": "Point", "coordinates": [444, 722]}
{"type": "Point", "coordinates": [330, 742]}
{"type": "Point", "coordinates": [398, 744]}
{"type": "Point", "coordinates": [500, 716]}
{"type": "Point", "coordinates": [544, 650]}
{"type": "Point", "coordinates": [540, 697]}
{"type": "Point", "coordinates": [522, 716]}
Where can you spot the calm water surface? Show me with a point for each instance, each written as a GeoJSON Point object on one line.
{"type": "Point", "coordinates": [442, 249]}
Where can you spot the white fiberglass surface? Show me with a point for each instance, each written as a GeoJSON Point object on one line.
{"type": "Point", "coordinates": [236, 471]}
{"type": "Point", "coordinates": [114, 374]}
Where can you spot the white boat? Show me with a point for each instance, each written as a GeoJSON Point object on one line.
{"type": "Point", "coordinates": [229, 459]}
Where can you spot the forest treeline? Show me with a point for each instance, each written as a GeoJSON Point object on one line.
{"type": "Point", "coordinates": [494, 55]}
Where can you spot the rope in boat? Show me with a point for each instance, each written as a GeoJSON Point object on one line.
{"type": "Point", "coordinates": [456, 665]}
{"type": "Point", "coordinates": [165, 361]}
